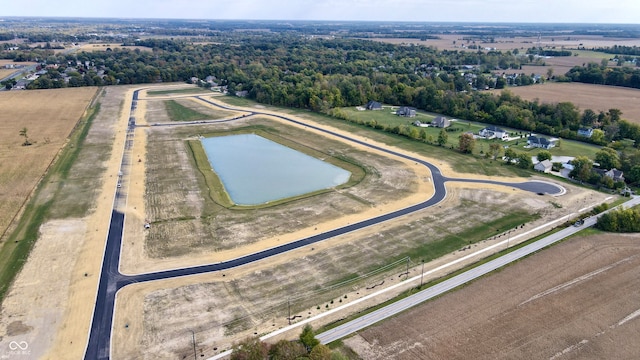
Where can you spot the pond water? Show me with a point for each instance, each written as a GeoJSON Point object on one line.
{"type": "Point", "coordinates": [255, 170]}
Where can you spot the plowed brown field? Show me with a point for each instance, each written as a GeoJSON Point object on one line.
{"type": "Point", "coordinates": [585, 96]}
{"type": "Point", "coordinates": [49, 116]}
{"type": "Point", "coordinates": [577, 300]}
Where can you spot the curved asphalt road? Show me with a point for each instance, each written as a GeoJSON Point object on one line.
{"type": "Point", "coordinates": [111, 280]}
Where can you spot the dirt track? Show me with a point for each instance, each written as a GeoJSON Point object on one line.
{"type": "Point", "coordinates": [578, 300]}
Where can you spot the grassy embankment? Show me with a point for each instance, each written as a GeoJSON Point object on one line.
{"type": "Point", "coordinates": [16, 249]}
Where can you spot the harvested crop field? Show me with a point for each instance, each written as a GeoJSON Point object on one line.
{"type": "Point", "coordinates": [585, 96]}
{"type": "Point", "coordinates": [577, 300]}
{"type": "Point", "coordinates": [49, 116]}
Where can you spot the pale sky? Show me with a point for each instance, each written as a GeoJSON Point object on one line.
{"type": "Point", "coordinates": [549, 11]}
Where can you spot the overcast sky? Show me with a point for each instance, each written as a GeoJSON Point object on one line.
{"type": "Point", "coordinates": [560, 11]}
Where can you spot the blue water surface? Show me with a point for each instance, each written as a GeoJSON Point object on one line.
{"type": "Point", "coordinates": [255, 170]}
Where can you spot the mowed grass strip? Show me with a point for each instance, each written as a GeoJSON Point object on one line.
{"type": "Point", "coordinates": [179, 112]}
{"type": "Point", "coordinates": [194, 90]}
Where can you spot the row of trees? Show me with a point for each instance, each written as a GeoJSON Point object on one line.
{"type": "Point", "coordinates": [601, 74]}
{"type": "Point", "coordinates": [621, 220]}
{"type": "Point", "coordinates": [307, 347]}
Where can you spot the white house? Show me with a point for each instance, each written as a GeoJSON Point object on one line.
{"type": "Point", "coordinates": [493, 132]}
{"type": "Point", "coordinates": [541, 142]}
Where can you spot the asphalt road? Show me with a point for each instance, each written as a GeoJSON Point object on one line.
{"type": "Point", "coordinates": [111, 280]}
{"type": "Point", "coordinates": [439, 289]}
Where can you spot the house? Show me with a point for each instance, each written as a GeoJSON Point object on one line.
{"type": "Point", "coordinates": [373, 105]}
{"type": "Point", "coordinates": [615, 174]}
{"type": "Point", "coordinates": [586, 132]}
{"type": "Point", "coordinates": [543, 166]}
{"type": "Point", "coordinates": [441, 122]}
{"type": "Point", "coordinates": [242, 93]}
{"type": "Point", "coordinates": [541, 142]}
{"type": "Point", "coordinates": [406, 111]}
{"type": "Point", "coordinates": [493, 132]}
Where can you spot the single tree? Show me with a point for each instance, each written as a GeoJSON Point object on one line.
{"type": "Point", "coordinates": [608, 158]}
{"type": "Point", "coordinates": [23, 133]}
{"type": "Point", "coordinates": [509, 155]}
{"type": "Point", "coordinates": [524, 161]}
{"type": "Point", "coordinates": [250, 349]}
{"type": "Point", "coordinates": [544, 155]}
{"type": "Point", "coordinates": [287, 350]}
{"type": "Point", "coordinates": [320, 352]}
{"type": "Point", "coordinates": [495, 150]}
{"type": "Point", "coordinates": [442, 137]}
{"type": "Point", "coordinates": [466, 143]}
{"type": "Point", "coordinates": [582, 167]}
{"type": "Point", "coordinates": [308, 338]}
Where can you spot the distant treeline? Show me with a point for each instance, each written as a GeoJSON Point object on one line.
{"type": "Point", "coordinates": [548, 52]}
{"type": "Point", "coordinates": [323, 74]}
{"type": "Point", "coordinates": [598, 74]}
{"type": "Point", "coordinates": [620, 50]}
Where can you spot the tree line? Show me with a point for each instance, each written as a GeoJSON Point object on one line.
{"type": "Point", "coordinates": [325, 74]}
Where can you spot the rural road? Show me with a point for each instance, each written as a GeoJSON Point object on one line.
{"type": "Point", "coordinates": [452, 283]}
{"type": "Point", "coordinates": [111, 280]}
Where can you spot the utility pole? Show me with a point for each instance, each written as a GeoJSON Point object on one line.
{"type": "Point", "coordinates": [289, 307]}
{"type": "Point", "coordinates": [193, 341]}
{"type": "Point", "coordinates": [408, 259]}
{"type": "Point", "coordinates": [422, 274]}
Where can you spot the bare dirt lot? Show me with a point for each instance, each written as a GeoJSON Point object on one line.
{"type": "Point", "coordinates": [577, 300]}
{"type": "Point", "coordinates": [585, 96]}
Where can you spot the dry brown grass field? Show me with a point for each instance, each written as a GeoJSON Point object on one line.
{"type": "Point", "coordinates": [578, 300]}
{"type": "Point", "coordinates": [585, 96]}
{"type": "Point", "coordinates": [6, 72]}
{"type": "Point", "coordinates": [105, 46]}
{"type": "Point", "coordinates": [446, 42]}
{"type": "Point", "coordinates": [49, 116]}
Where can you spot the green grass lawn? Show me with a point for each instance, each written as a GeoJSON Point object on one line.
{"type": "Point", "coordinates": [195, 90]}
{"type": "Point", "coordinates": [178, 112]}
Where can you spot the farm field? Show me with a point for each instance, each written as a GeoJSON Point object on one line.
{"type": "Point", "coordinates": [585, 96]}
{"type": "Point", "coordinates": [49, 117]}
{"type": "Point", "coordinates": [577, 300]}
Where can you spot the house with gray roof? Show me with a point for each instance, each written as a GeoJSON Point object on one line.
{"type": "Point", "coordinates": [441, 122]}
{"type": "Point", "coordinates": [541, 142]}
{"type": "Point", "coordinates": [373, 105]}
{"type": "Point", "coordinates": [406, 111]}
